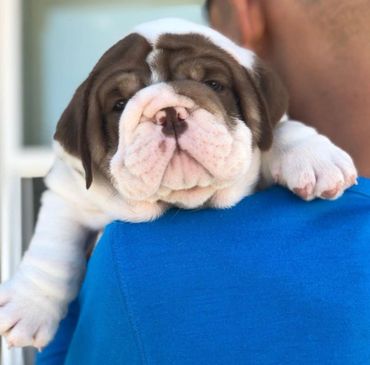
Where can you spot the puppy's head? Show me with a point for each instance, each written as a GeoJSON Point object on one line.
{"type": "Point", "coordinates": [173, 112]}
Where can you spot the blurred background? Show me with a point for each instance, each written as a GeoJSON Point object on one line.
{"type": "Point", "coordinates": [47, 48]}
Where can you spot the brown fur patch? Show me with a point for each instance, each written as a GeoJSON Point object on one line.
{"type": "Point", "coordinates": [258, 98]}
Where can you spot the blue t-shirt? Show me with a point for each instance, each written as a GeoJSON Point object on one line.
{"type": "Point", "coordinates": [274, 280]}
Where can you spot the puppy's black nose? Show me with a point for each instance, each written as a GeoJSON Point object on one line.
{"type": "Point", "coordinates": [172, 123]}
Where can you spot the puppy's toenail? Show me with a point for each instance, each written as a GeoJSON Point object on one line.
{"type": "Point", "coordinates": [329, 193]}
{"type": "Point", "coordinates": [305, 192]}
{"type": "Point", "coordinates": [333, 192]}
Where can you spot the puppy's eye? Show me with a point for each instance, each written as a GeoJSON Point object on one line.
{"type": "Point", "coordinates": [119, 105]}
{"type": "Point", "coordinates": [214, 85]}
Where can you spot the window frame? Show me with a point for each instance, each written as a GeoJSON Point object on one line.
{"type": "Point", "coordinates": [16, 161]}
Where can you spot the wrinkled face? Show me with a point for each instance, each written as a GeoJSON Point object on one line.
{"type": "Point", "coordinates": [174, 121]}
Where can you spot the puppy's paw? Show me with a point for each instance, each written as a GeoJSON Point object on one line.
{"type": "Point", "coordinates": [315, 168]}
{"type": "Point", "coordinates": [27, 317]}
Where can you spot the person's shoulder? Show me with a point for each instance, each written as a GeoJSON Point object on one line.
{"type": "Point", "coordinates": [362, 188]}
{"type": "Point", "coordinates": [261, 206]}
{"type": "Point", "coordinates": [280, 195]}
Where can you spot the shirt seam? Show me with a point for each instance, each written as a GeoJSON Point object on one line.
{"type": "Point", "coordinates": [122, 286]}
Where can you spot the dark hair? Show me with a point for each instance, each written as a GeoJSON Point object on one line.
{"type": "Point", "coordinates": [207, 8]}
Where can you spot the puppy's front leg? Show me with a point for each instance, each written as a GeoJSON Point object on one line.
{"type": "Point", "coordinates": [307, 163]}
{"type": "Point", "coordinates": [34, 301]}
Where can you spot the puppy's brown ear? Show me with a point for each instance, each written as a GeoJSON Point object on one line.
{"type": "Point", "coordinates": [79, 130]}
{"type": "Point", "coordinates": [272, 101]}
{"type": "Point", "coordinates": [263, 100]}
{"type": "Point", "coordinates": [71, 130]}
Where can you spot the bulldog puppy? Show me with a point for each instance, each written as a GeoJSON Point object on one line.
{"type": "Point", "coordinates": [174, 114]}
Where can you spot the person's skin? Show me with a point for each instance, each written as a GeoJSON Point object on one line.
{"type": "Point", "coordinates": [321, 49]}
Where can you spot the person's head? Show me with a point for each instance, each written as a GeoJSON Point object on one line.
{"type": "Point", "coordinates": [321, 50]}
{"type": "Point", "coordinates": [260, 24]}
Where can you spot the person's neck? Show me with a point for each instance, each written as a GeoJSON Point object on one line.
{"type": "Point", "coordinates": [330, 90]}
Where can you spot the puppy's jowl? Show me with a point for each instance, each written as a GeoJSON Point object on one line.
{"type": "Point", "coordinates": [173, 114]}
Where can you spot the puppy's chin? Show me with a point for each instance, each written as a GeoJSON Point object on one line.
{"type": "Point", "coordinates": [186, 169]}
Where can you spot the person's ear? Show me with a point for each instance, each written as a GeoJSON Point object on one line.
{"type": "Point", "coordinates": [251, 22]}
{"type": "Point", "coordinates": [243, 21]}
{"type": "Point", "coordinates": [222, 16]}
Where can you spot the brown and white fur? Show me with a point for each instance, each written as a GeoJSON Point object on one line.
{"type": "Point", "coordinates": [173, 114]}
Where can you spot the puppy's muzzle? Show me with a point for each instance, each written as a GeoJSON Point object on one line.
{"type": "Point", "coordinates": [173, 121]}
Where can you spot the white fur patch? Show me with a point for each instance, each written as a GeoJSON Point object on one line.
{"type": "Point", "coordinates": [149, 165]}
{"type": "Point", "coordinates": [151, 61]}
{"type": "Point", "coordinates": [154, 29]}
